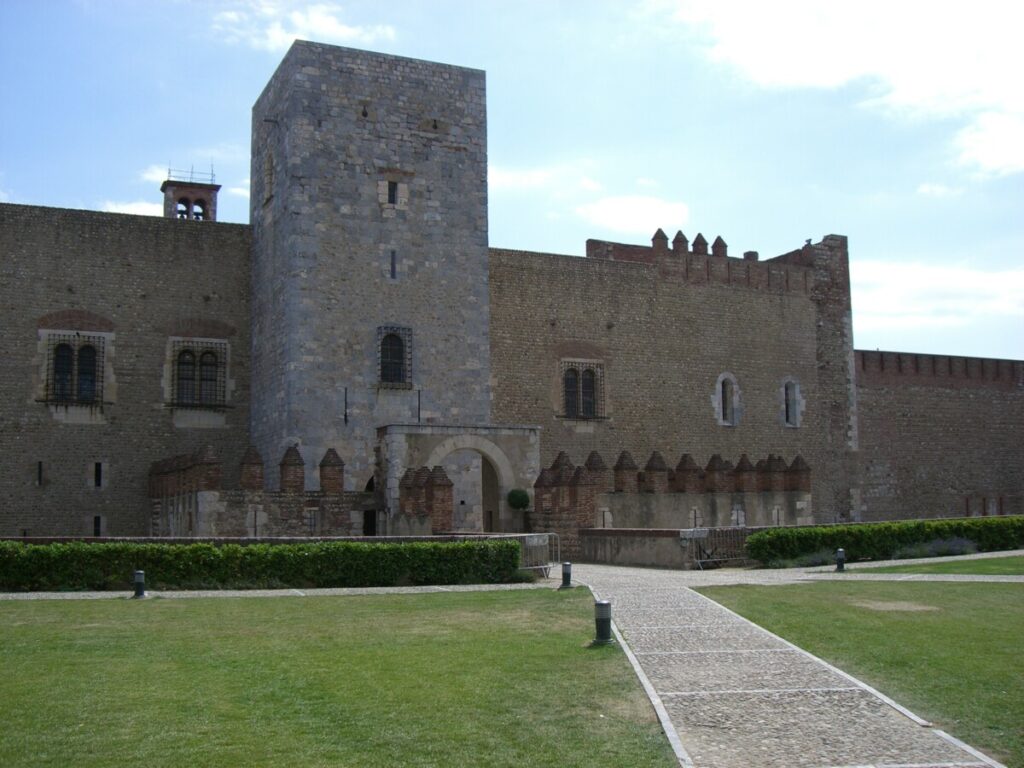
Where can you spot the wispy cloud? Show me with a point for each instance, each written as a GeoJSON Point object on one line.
{"type": "Point", "coordinates": [889, 295]}
{"type": "Point", "coordinates": [154, 173]}
{"type": "Point", "coordinates": [922, 59]}
{"type": "Point", "coordinates": [273, 25]}
{"type": "Point", "coordinates": [240, 190]}
{"type": "Point", "coordinates": [635, 214]}
{"type": "Point", "coordinates": [938, 190]}
{"type": "Point", "coordinates": [139, 208]}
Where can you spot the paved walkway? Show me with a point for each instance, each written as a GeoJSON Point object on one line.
{"type": "Point", "coordinates": [732, 695]}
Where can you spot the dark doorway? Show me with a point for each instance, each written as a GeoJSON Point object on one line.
{"type": "Point", "coordinates": [370, 522]}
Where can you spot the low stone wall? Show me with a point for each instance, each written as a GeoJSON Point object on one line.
{"type": "Point", "coordinates": [684, 549]}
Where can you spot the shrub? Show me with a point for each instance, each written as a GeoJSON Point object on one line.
{"type": "Point", "coordinates": [80, 565]}
{"type": "Point", "coordinates": [518, 498]}
{"type": "Point", "coordinates": [882, 541]}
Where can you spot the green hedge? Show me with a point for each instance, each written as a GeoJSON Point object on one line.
{"type": "Point", "coordinates": [80, 565]}
{"type": "Point", "coordinates": [881, 541]}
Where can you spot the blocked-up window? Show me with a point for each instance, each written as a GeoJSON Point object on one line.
{"type": "Point", "coordinates": [792, 403]}
{"type": "Point", "coordinates": [726, 401]}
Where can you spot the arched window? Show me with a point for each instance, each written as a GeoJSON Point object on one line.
{"type": "Point", "coordinates": [728, 407]}
{"type": "Point", "coordinates": [199, 210]}
{"type": "Point", "coordinates": [184, 207]}
{"type": "Point", "coordinates": [392, 359]}
{"type": "Point", "coordinates": [208, 378]}
{"type": "Point", "coordinates": [571, 389]}
{"type": "Point", "coordinates": [792, 403]}
{"type": "Point", "coordinates": [86, 390]}
{"type": "Point", "coordinates": [588, 394]}
{"type": "Point", "coordinates": [186, 378]}
{"type": "Point", "coordinates": [790, 396]}
{"type": "Point", "coordinates": [63, 366]}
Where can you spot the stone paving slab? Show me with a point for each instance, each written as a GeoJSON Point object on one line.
{"type": "Point", "coordinates": [782, 669]}
{"type": "Point", "coordinates": [804, 730]}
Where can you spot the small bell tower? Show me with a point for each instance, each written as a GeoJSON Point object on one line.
{"type": "Point", "coordinates": [190, 196]}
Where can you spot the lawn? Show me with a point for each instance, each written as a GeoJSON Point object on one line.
{"type": "Point", "coordinates": [950, 652]}
{"type": "Point", "coordinates": [998, 566]}
{"type": "Point", "coordinates": [448, 679]}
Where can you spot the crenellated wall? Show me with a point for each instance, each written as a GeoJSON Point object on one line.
{"type": "Point", "coordinates": [570, 499]}
{"type": "Point", "coordinates": [941, 436]}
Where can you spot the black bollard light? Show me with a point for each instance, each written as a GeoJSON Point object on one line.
{"type": "Point", "coordinates": [603, 621]}
{"type": "Point", "coordinates": [140, 584]}
{"type": "Point", "coordinates": [566, 576]}
{"type": "Point", "coordinates": [840, 559]}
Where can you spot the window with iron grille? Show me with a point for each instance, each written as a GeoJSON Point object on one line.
{"type": "Point", "coordinates": [74, 368]}
{"type": "Point", "coordinates": [199, 369]}
{"type": "Point", "coordinates": [582, 389]}
{"type": "Point", "coordinates": [394, 356]}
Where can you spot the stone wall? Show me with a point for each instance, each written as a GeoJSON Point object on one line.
{"type": "Point", "coordinates": [940, 436]}
{"type": "Point", "coordinates": [664, 327]}
{"type": "Point", "coordinates": [190, 500]}
{"type": "Point", "coordinates": [129, 286]}
{"type": "Point", "coordinates": [369, 215]}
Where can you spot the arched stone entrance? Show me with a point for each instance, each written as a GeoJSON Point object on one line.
{"type": "Point", "coordinates": [483, 463]}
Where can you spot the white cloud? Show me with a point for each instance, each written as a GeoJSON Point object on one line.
{"type": "Point", "coordinates": [887, 295]}
{"type": "Point", "coordinates": [919, 58]}
{"type": "Point", "coordinates": [635, 214]}
{"type": "Point", "coordinates": [273, 25]}
{"type": "Point", "coordinates": [137, 208]}
{"type": "Point", "coordinates": [154, 173]}
{"type": "Point", "coordinates": [938, 190]}
{"type": "Point", "coordinates": [590, 185]}
{"type": "Point", "coordinates": [241, 189]}
{"type": "Point", "coordinates": [647, 183]}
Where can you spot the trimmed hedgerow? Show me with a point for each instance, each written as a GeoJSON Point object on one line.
{"type": "Point", "coordinates": [79, 565]}
{"type": "Point", "coordinates": [882, 541]}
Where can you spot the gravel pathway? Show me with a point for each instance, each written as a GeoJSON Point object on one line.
{"type": "Point", "coordinates": [732, 695]}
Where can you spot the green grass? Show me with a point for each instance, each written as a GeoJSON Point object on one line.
{"type": "Point", "coordinates": [998, 566]}
{"type": "Point", "coordinates": [450, 679]}
{"type": "Point", "coordinates": [951, 652]}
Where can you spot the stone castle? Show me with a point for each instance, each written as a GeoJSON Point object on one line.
{"type": "Point", "coordinates": [361, 335]}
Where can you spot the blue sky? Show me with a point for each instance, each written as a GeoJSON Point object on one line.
{"type": "Point", "coordinates": [898, 124]}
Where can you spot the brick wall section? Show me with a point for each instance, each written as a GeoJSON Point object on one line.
{"type": "Point", "coordinates": [940, 436]}
{"type": "Point", "coordinates": [143, 279]}
{"type": "Point", "coordinates": [665, 326]}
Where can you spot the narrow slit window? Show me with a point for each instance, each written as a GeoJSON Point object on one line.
{"type": "Point", "coordinates": [790, 404]}
{"type": "Point", "coordinates": [39, 473]}
{"type": "Point", "coordinates": [97, 474]}
{"type": "Point", "coordinates": [392, 193]}
{"type": "Point", "coordinates": [727, 404]}
{"type": "Point", "coordinates": [97, 526]}
{"type": "Point", "coordinates": [394, 265]}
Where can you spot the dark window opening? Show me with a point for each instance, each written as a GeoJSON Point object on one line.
{"type": "Point", "coordinates": [370, 523]}
{"type": "Point", "coordinates": [392, 359]}
{"type": "Point", "coordinates": [186, 378]}
{"type": "Point", "coordinates": [63, 363]}
{"type": "Point", "coordinates": [588, 394]}
{"type": "Point", "coordinates": [208, 378]}
{"type": "Point", "coordinates": [39, 473]}
{"type": "Point", "coordinates": [97, 474]}
{"type": "Point", "coordinates": [393, 193]}
{"type": "Point", "coordinates": [97, 526]}
{"type": "Point", "coordinates": [790, 404]}
{"type": "Point", "coordinates": [727, 404]}
{"type": "Point", "coordinates": [394, 265]}
{"type": "Point", "coordinates": [571, 391]}
{"type": "Point", "coordinates": [86, 374]}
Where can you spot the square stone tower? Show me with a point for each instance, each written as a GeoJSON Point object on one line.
{"type": "Point", "coordinates": [369, 280]}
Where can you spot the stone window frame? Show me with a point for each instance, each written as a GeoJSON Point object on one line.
{"type": "Point", "coordinates": [401, 192]}
{"type": "Point", "coordinates": [76, 341]}
{"type": "Point", "coordinates": [727, 400]}
{"type": "Point", "coordinates": [405, 334]}
{"type": "Point", "coordinates": [581, 367]}
{"type": "Point", "coordinates": [791, 409]}
{"type": "Point", "coordinates": [208, 393]}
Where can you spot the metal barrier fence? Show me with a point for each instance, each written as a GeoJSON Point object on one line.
{"type": "Point", "coordinates": [538, 550]}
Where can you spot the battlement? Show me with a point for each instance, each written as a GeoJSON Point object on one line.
{"type": "Point", "coordinates": [788, 273]}
{"type": "Point", "coordinates": [895, 369]}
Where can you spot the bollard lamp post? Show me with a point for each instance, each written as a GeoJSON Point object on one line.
{"type": "Point", "coordinates": [840, 560]}
{"type": "Point", "coordinates": [566, 576]}
{"type": "Point", "coordinates": [603, 622]}
{"type": "Point", "coordinates": [140, 584]}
